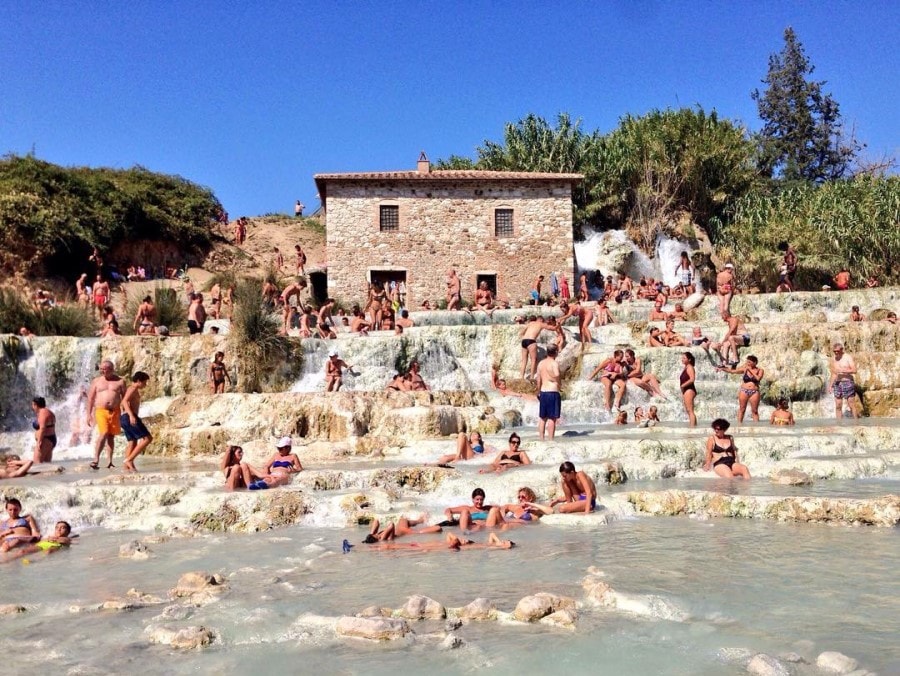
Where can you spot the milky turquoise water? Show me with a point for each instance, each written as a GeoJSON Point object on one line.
{"type": "Point", "coordinates": [752, 586]}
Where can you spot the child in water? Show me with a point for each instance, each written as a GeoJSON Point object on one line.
{"type": "Point", "coordinates": [621, 418]}
{"type": "Point", "coordinates": [782, 414]}
{"type": "Point", "coordinates": [639, 416]}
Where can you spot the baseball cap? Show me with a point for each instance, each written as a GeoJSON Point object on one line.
{"type": "Point", "coordinates": [284, 442]}
{"type": "Point", "coordinates": [729, 265]}
{"type": "Point", "coordinates": [333, 353]}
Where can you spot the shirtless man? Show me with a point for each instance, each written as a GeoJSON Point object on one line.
{"type": "Point", "coordinates": [307, 314]}
{"type": "Point", "coordinates": [548, 384]}
{"type": "Point", "coordinates": [301, 259]}
{"type": "Point", "coordinates": [842, 280]}
{"type": "Point", "coordinates": [583, 316]}
{"type": "Point", "coordinates": [334, 372]}
{"type": "Point", "coordinates": [736, 336]}
{"type": "Point", "coordinates": [136, 433]}
{"type": "Point", "coordinates": [669, 338]}
{"type": "Point", "coordinates": [725, 288]}
{"type": "Point", "coordinates": [414, 380]}
{"type": "Point", "coordinates": [324, 322]}
{"type": "Point", "coordinates": [453, 290]}
{"type": "Point", "coordinates": [104, 406]}
{"type": "Point", "coordinates": [101, 293]}
{"type": "Point", "coordinates": [196, 314]}
{"type": "Point", "coordinates": [17, 530]}
{"type": "Point", "coordinates": [484, 299]}
{"type": "Point", "coordinates": [789, 263]}
{"type": "Point", "coordinates": [145, 319]}
{"type": "Point", "coordinates": [529, 336]}
{"type": "Point", "coordinates": [358, 323]}
{"type": "Point", "coordinates": [404, 321]}
{"type": "Point", "coordinates": [291, 297]}
{"type": "Point", "coordinates": [657, 314]}
{"type": "Point", "coordinates": [842, 384]}
{"type": "Point", "coordinates": [579, 491]}
{"type": "Point", "coordinates": [625, 288]}
{"type": "Point", "coordinates": [81, 292]}
{"type": "Point", "coordinates": [536, 290]}
{"type": "Point", "coordinates": [269, 294]}
{"type": "Point", "coordinates": [856, 315]}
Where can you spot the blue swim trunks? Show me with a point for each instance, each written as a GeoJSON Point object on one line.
{"type": "Point", "coordinates": [550, 405]}
{"type": "Point", "coordinates": [583, 497]}
{"type": "Point", "coordinates": [133, 432]}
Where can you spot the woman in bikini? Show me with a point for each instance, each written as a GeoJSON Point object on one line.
{"type": "Point", "coordinates": [44, 425]}
{"type": "Point", "coordinates": [218, 374]}
{"type": "Point", "coordinates": [611, 368]}
{"type": "Point", "coordinates": [145, 319]}
{"type": "Point", "coordinates": [725, 288]}
{"type": "Point", "coordinates": [373, 303]}
{"type": "Point", "coordinates": [17, 530]}
{"type": "Point", "coordinates": [280, 468]}
{"type": "Point", "coordinates": [467, 447]}
{"type": "Point", "coordinates": [685, 274]}
{"type": "Point", "coordinates": [522, 511]}
{"type": "Point", "coordinates": [721, 453]}
{"type": "Point", "coordinates": [749, 390]}
{"type": "Point", "coordinates": [782, 414]}
{"type": "Point", "coordinates": [603, 315]}
{"type": "Point", "coordinates": [238, 474]}
{"type": "Point", "coordinates": [513, 456]}
{"type": "Point", "coordinates": [688, 389]}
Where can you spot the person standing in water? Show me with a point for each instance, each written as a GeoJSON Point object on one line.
{"type": "Point", "coordinates": [44, 425]}
{"type": "Point", "coordinates": [136, 433]}
{"type": "Point", "coordinates": [688, 387]}
{"type": "Point", "coordinates": [548, 384]}
{"type": "Point", "coordinates": [843, 385]}
{"type": "Point", "coordinates": [104, 408]}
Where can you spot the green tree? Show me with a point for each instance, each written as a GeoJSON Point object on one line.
{"type": "Point", "coordinates": [802, 138]}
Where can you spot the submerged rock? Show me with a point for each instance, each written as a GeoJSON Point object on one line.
{"type": "Point", "coordinates": [766, 665]}
{"type": "Point", "coordinates": [374, 611]}
{"type": "Point", "coordinates": [452, 642]}
{"type": "Point", "coordinates": [533, 608]}
{"type": "Point", "coordinates": [833, 662]}
{"type": "Point", "coordinates": [11, 609]}
{"type": "Point", "coordinates": [561, 618]}
{"type": "Point", "coordinates": [422, 608]}
{"type": "Point", "coordinates": [372, 628]}
{"type": "Point", "coordinates": [790, 477]}
{"type": "Point", "coordinates": [134, 550]}
{"type": "Point", "coordinates": [198, 587]}
{"type": "Point", "coordinates": [479, 609]}
{"type": "Point", "coordinates": [188, 638]}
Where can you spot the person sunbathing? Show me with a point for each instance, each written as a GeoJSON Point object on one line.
{"type": "Point", "coordinates": [402, 527]}
{"type": "Point", "coordinates": [452, 542]}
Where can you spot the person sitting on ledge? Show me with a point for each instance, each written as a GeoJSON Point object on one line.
{"type": "Point", "coordinates": [657, 314]}
{"type": "Point", "coordinates": [782, 414]}
{"type": "Point", "coordinates": [281, 467]}
{"type": "Point", "coordinates": [579, 493]}
{"type": "Point", "coordinates": [513, 456]}
{"type": "Point", "coordinates": [856, 315]}
{"type": "Point", "coordinates": [238, 474]}
{"type": "Point", "coordinates": [721, 453]}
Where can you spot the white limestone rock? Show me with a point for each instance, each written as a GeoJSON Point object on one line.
{"type": "Point", "coordinates": [374, 611]}
{"type": "Point", "coordinates": [188, 638]}
{"type": "Point", "coordinates": [564, 619]}
{"type": "Point", "coordinates": [422, 608]}
{"type": "Point", "coordinates": [198, 585]}
{"type": "Point", "coordinates": [833, 662]}
{"type": "Point", "coordinates": [372, 628]}
{"type": "Point", "coordinates": [790, 477]}
{"type": "Point", "coordinates": [766, 665]}
{"type": "Point", "coordinates": [479, 609]}
{"type": "Point", "coordinates": [533, 608]}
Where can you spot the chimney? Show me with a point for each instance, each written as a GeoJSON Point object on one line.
{"type": "Point", "coordinates": [423, 166]}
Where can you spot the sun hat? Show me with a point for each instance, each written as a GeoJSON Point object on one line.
{"type": "Point", "coordinates": [729, 265]}
{"type": "Point", "coordinates": [333, 353]}
{"type": "Point", "coordinates": [284, 442]}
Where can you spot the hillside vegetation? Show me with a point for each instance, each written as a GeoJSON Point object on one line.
{"type": "Point", "coordinates": [51, 216]}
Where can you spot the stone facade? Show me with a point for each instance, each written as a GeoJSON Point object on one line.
{"type": "Point", "coordinates": [447, 220]}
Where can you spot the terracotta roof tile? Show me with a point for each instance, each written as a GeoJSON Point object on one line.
{"type": "Point", "coordinates": [448, 175]}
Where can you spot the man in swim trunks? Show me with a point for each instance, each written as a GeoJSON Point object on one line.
{"type": "Point", "coordinates": [529, 336]}
{"type": "Point", "coordinates": [17, 530]}
{"type": "Point", "coordinates": [548, 384]}
{"type": "Point", "coordinates": [104, 406]}
{"type": "Point", "coordinates": [843, 385]}
{"type": "Point", "coordinates": [453, 290]}
{"type": "Point", "coordinates": [136, 433]}
{"type": "Point", "coordinates": [101, 293]}
{"type": "Point", "coordinates": [44, 425]}
{"type": "Point", "coordinates": [196, 314]}
{"type": "Point", "coordinates": [484, 299]}
{"type": "Point", "coordinates": [536, 290]}
{"type": "Point", "coordinates": [579, 491]}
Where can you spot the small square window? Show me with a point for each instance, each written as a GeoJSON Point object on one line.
{"type": "Point", "coordinates": [389, 217]}
{"type": "Point", "coordinates": [503, 222]}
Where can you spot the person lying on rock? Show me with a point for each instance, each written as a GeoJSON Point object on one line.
{"type": "Point", "coordinates": [467, 447]}
{"type": "Point", "coordinates": [392, 531]}
{"type": "Point", "coordinates": [15, 468]}
{"type": "Point", "coordinates": [513, 456]}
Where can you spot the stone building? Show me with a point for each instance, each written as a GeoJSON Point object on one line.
{"type": "Point", "coordinates": [501, 227]}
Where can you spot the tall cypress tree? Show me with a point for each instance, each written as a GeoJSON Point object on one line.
{"type": "Point", "coordinates": [802, 136]}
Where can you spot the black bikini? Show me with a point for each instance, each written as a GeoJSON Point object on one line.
{"type": "Point", "coordinates": [728, 454]}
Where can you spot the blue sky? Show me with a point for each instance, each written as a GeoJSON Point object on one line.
{"type": "Point", "coordinates": [253, 98]}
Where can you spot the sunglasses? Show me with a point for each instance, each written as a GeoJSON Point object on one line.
{"type": "Point", "coordinates": [515, 442]}
{"type": "Point", "coordinates": [523, 497]}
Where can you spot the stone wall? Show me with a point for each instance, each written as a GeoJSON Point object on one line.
{"type": "Point", "coordinates": [446, 224]}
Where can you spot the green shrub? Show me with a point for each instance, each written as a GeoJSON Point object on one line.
{"type": "Point", "coordinates": [15, 312]}
{"type": "Point", "coordinates": [69, 319]}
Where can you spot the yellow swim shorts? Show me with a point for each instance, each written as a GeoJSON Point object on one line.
{"type": "Point", "coordinates": [108, 421]}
